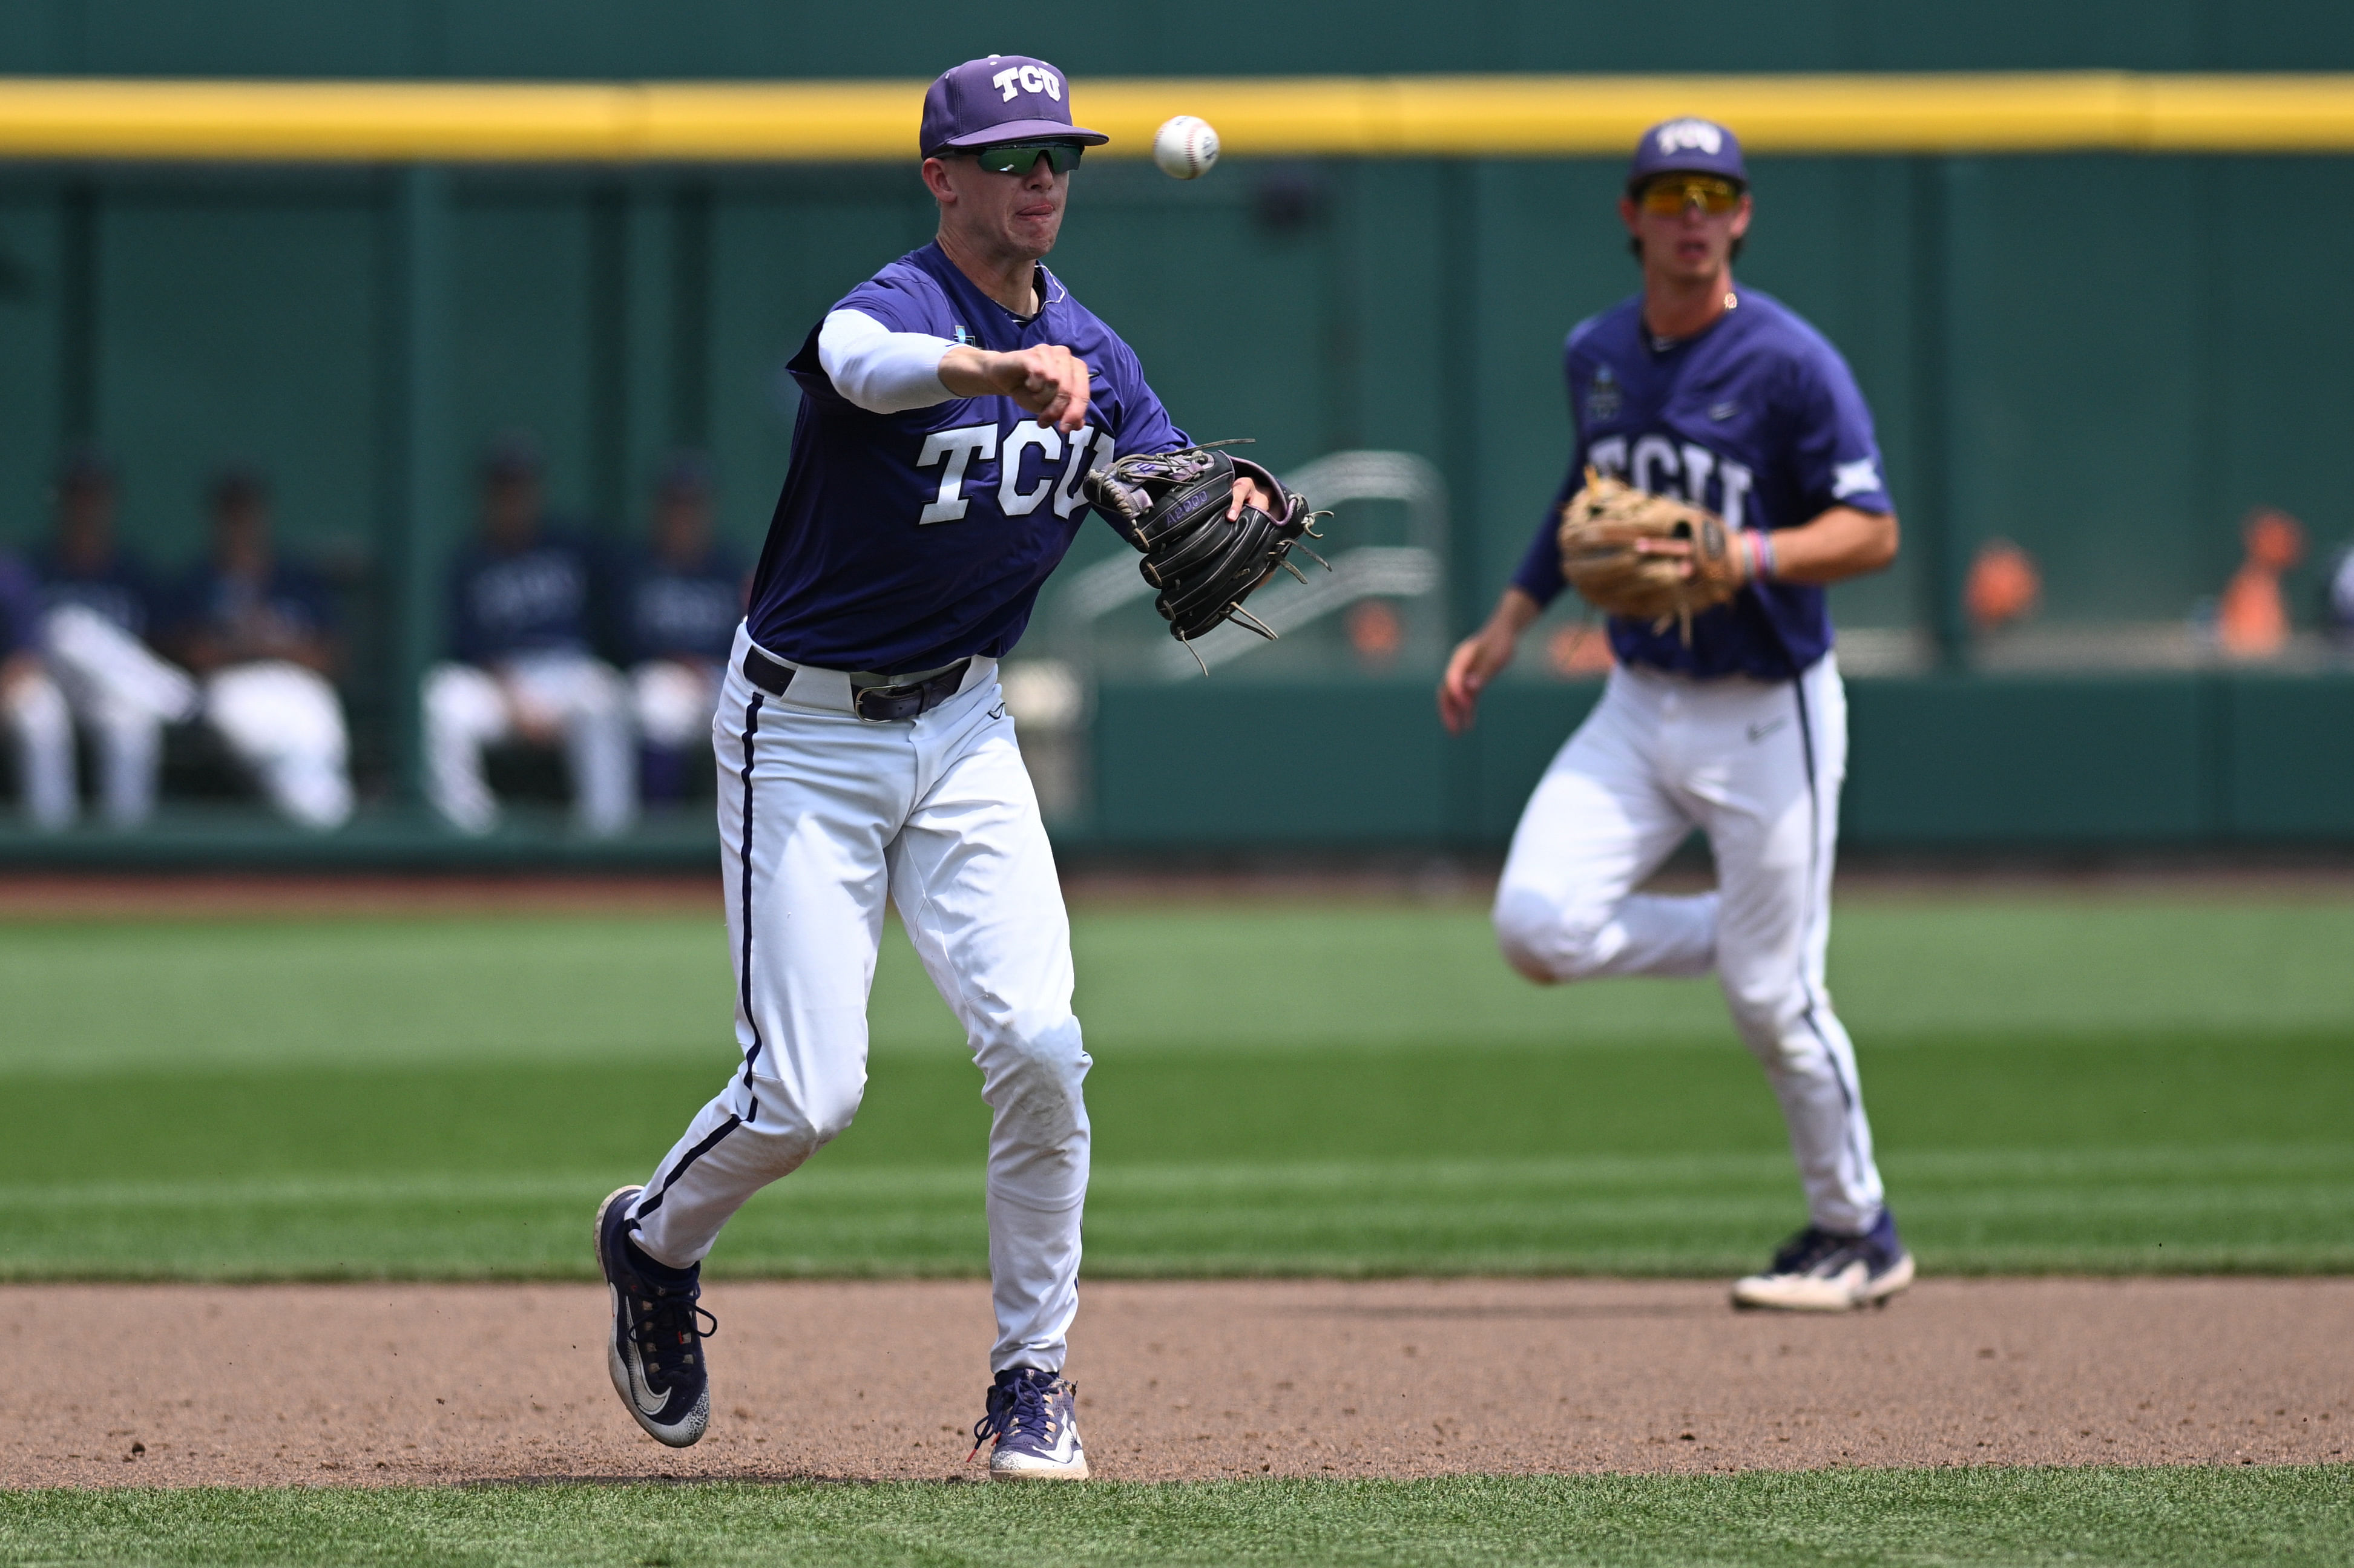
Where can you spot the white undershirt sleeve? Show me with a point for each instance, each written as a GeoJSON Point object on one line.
{"type": "Point", "coordinates": [882, 371]}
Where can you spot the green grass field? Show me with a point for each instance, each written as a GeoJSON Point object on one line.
{"type": "Point", "coordinates": [2058, 1084]}
{"type": "Point", "coordinates": [2096, 1084]}
{"type": "Point", "coordinates": [2181, 1519]}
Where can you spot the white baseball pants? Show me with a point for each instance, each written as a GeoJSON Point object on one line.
{"type": "Point", "coordinates": [285, 721]}
{"type": "Point", "coordinates": [822, 816]}
{"type": "Point", "coordinates": [468, 708]}
{"type": "Point", "coordinates": [1757, 766]}
{"type": "Point", "coordinates": [673, 701]}
{"type": "Point", "coordinates": [117, 687]}
{"type": "Point", "coordinates": [42, 726]}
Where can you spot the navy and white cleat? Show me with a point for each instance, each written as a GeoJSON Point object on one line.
{"type": "Point", "coordinates": [655, 1352]}
{"type": "Point", "coordinates": [1032, 1418]}
{"type": "Point", "coordinates": [1821, 1271]}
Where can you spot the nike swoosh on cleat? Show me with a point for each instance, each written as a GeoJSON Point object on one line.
{"type": "Point", "coordinates": [1758, 732]}
{"type": "Point", "coordinates": [642, 1392]}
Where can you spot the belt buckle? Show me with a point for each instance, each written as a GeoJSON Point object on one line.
{"type": "Point", "coordinates": [900, 702]}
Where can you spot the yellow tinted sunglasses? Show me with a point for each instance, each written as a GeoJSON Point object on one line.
{"type": "Point", "coordinates": [1672, 194]}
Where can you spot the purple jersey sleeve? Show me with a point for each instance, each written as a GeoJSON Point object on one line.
{"type": "Point", "coordinates": [1539, 574]}
{"type": "Point", "coordinates": [1833, 451]}
{"type": "Point", "coordinates": [1144, 425]}
{"type": "Point", "coordinates": [890, 297]}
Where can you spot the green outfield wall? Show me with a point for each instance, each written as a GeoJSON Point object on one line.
{"type": "Point", "coordinates": [1966, 763]}
{"type": "Point", "coordinates": [2107, 357]}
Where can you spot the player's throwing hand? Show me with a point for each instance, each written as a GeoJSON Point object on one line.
{"type": "Point", "coordinates": [1047, 380]}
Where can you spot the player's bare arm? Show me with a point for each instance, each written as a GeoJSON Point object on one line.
{"type": "Point", "coordinates": [1049, 380]}
{"type": "Point", "coordinates": [1481, 657]}
{"type": "Point", "coordinates": [1839, 542]}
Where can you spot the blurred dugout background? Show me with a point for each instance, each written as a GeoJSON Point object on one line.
{"type": "Point", "coordinates": [2107, 361]}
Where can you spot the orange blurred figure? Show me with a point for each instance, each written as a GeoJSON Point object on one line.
{"type": "Point", "coordinates": [1375, 631]}
{"type": "Point", "coordinates": [2003, 585]}
{"type": "Point", "coordinates": [2252, 618]}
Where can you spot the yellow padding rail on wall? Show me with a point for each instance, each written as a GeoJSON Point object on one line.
{"type": "Point", "coordinates": [1478, 116]}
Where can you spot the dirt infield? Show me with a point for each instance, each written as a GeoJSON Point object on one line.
{"type": "Point", "coordinates": [183, 1386]}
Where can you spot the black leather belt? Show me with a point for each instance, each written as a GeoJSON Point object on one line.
{"type": "Point", "coordinates": [877, 699]}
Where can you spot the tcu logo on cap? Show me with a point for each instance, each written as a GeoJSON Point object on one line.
{"type": "Point", "coordinates": [1030, 78]}
{"type": "Point", "coordinates": [1678, 135]}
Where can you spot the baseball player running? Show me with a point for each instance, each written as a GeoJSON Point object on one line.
{"type": "Point", "coordinates": [1734, 721]}
{"type": "Point", "coordinates": [952, 408]}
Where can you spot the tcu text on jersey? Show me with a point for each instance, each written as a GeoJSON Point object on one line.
{"type": "Point", "coordinates": [1022, 485]}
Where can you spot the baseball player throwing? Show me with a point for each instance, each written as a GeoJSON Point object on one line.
{"type": "Point", "coordinates": [1731, 719]}
{"type": "Point", "coordinates": [953, 407]}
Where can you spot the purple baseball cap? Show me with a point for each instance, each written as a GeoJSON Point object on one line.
{"type": "Point", "coordinates": [1005, 98]}
{"type": "Point", "coordinates": [1687, 146]}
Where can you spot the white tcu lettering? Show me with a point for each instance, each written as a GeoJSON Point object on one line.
{"type": "Point", "coordinates": [1695, 133]}
{"type": "Point", "coordinates": [1067, 498]}
{"type": "Point", "coordinates": [959, 446]}
{"type": "Point", "coordinates": [1011, 499]}
{"type": "Point", "coordinates": [1653, 456]}
{"type": "Point", "coordinates": [1003, 82]}
{"type": "Point", "coordinates": [1609, 455]}
{"type": "Point", "coordinates": [1698, 461]}
{"type": "Point", "coordinates": [1736, 491]}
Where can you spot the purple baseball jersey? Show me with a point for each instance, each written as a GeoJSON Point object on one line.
{"type": "Point", "coordinates": [906, 541]}
{"type": "Point", "coordinates": [1759, 420]}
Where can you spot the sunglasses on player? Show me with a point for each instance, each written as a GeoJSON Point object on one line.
{"type": "Point", "coordinates": [1666, 197]}
{"type": "Point", "coordinates": [1021, 157]}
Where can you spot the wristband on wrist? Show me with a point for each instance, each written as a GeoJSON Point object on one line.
{"type": "Point", "coordinates": [1761, 555]}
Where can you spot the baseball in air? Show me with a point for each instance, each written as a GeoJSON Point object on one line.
{"type": "Point", "coordinates": [1185, 147]}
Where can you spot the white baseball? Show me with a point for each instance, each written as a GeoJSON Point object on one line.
{"type": "Point", "coordinates": [1185, 147]}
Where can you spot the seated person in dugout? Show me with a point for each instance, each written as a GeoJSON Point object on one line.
{"type": "Point", "coordinates": [681, 599]}
{"type": "Point", "coordinates": [96, 608]}
{"type": "Point", "coordinates": [520, 617]}
{"type": "Point", "coordinates": [259, 631]}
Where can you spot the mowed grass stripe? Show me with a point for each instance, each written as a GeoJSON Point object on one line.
{"type": "Point", "coordinates": [437, 1098]}
{"type": "Point", "coordinates": [91, 996]}
{"type": "Point", "coordinates": [2115, 1211]}
{"type": "Point", "coordinates": [2163, 1517]}
{"type": "Point", "coordinates": [1292, 1178]}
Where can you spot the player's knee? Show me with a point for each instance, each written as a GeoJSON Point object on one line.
{"type": "Point", "coordinates": [1770, 1023]}
{"type": "Point", "coordinates": [1036, 1068]}
{"type": "Point", "coordinates": [791, 1128]}
{"type": "Point", "coordinates": [1543, 942]}
{"type": "Point", "coordinates": [602, 694]}
{"type": "Point", "coordinates": [460, 700]}
{"type": "Point", "coordinates": [1525, 925]}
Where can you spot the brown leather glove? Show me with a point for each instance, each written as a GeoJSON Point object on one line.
{"type": "Point", "coordinates": [1648, 557]}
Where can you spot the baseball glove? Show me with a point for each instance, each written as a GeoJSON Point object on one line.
{"type": "Point", "coordinates": [1605, 531]}
{"type": "Point", "coordinates": [1172, 506]}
